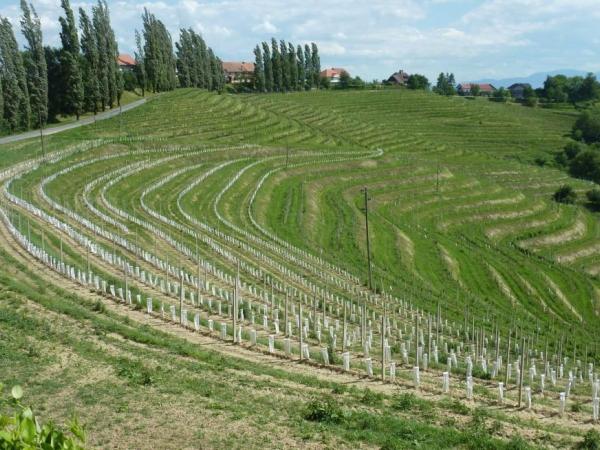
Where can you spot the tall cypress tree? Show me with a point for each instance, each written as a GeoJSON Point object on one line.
{"type": "Point", "coordinates": [268, 66]}
{"type": "Point", "coordinates": [316, 64]}
{"type": "Point", "coordinates": [277, 69]}
{"type": "Point", "coordinates": [35, 64]}
{"type": "Point", "coordinates": [293, 65]}
{"type": "Point", "coordinates": [16, 97]}
{"type": "Point", "coordinates": [285, 66]}
{"type": "Point", "coordinates": [90, 63]}
{"type": "Point", "coordinates": [73, 83]}
{"type": "Point", "coordinates": [308, 68]}
{"type": "Point", "coordinates": [259, 70]}
{"type": "Point", "coordinates": [301, 68]}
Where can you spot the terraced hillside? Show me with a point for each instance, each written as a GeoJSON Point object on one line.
{"type": "Point", "coordinates": [193, 273]}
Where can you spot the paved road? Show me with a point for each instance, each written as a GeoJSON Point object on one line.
{"type": "Point", "coordinates": [69, 126]}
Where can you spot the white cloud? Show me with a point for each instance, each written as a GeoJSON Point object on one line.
{"type": "Point", "coordinates": [265, 27]}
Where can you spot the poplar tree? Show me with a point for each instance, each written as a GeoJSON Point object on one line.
{"type": "Point", "coordinates": [55, 82]}
{"type": "Point", "coordinates": [102, 51]}
{"type": "Point", "coordinates": [14, 86]}
{"type": "Point", "coordinates": [207, 83]}
{"type": "Point", "coordinates": [184, 55]}
{"type": "Point", "coordinates": [218, 78]}
{"type": "Point", "coordinates": [159, 60]}
{"type": "Point", "coordinates": [268, 67]}
{"type": "Point", "coordinates": [110, 78]}
{"type": "Point", "coordinates": [259, 70]}
{"type": "Point", "coordinates": [1, 102]}
{"type": "Point", "coordinates": [196, 61]}
{"type": "Point", "coordinates": [90, 63]}
{"type": "Point", "coordinates": [308, 67]}
{"type": "Point", "coordinates": [277, 69]}
{"type": "Point", "coordinates": [35, 64]}
{"type": "Point", "coordinates": [293, 66]}
{"type": "Point", "coordinates": [301, 69]}
{"type": "Point", "coordinates": [72, 81]}
{"type": "Point", "coordinates": [316, 64]}
{"type": "Point", "coordinates": [285, 66]}
{"type": "Point", "coordinates": [197, 65]}
{"type": "Point", "coordinates": [140, 67]}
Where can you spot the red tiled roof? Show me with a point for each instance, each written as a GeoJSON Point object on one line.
{"type": "Point", "coordinates": [483, 87]}
{"type": "Point", "coordinates": [333, 72]}
{"type": "Point", "coordinates": [125, 60]}
{"type": "Point", "coordinates": [237, 66]}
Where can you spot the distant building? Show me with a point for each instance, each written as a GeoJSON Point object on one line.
{"type": "Point", "coordinates": [126, 62]}
{"type": "Point", "coordinates": [399, 78]}
{"type": "Point", "coordinates": [517, 90]}
{"type": "Point", "coordinates": [333, 74]}
{"type": "Point", "coordinates": [238, 72]}
{"type": "Point", "coordinates": [484, 88]}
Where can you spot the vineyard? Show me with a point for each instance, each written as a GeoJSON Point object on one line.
{"type": "Point", "coordinates": [193, 273]}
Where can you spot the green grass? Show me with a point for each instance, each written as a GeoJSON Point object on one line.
{"type": "Point", "coordinates": [461, 220]}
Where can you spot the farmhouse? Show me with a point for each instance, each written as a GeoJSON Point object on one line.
{"type": "Point", "coordinates": [333, 74]}
{"type": "Point", "coordinates": [484, 88]}
{"type": "Point", "coordinates": [399, 78]}
{"type": "Point", "coordinates": [126, 62]}
{"type": "Point", "coordinates": [517, 90]}
{"type": "Point", "coordinates": [238, 71]}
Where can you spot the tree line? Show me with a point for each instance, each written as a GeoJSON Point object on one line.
{"type": "Point", "coordinates": [159, 69]}
{"type": "Point", "coordinates": [40, 83]}
{"type": "Point", "coordinates": [283, 67]}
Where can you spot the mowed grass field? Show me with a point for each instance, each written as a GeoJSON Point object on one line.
{"type": "Point", "coordinates": [462, 226]}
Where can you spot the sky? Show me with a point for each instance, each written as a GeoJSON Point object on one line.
{"type": "Point", "coordinates": [373, 38]}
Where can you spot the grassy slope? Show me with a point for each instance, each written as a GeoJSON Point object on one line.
{"type": "Point", "coordinates": [420, 133]}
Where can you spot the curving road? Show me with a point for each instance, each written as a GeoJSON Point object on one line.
{"type": "Point", "coordinates": [68, 126]}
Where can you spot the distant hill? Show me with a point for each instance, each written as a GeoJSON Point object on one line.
{"type": "Point", "coordinates": [536, 80]}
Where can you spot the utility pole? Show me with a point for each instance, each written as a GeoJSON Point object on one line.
{"type": "Point", "coordinates": [365, 191]}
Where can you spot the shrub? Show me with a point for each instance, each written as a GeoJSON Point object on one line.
{"type": "Point", "coordinates": [593, 197]}
{"type": "Point", "coordinates": [587, 126]}
{"type": "Point", "coordinates": [565, 194]}
{"type": "Point", "coordinates": [405, 402]}
{"type": "Point", "coordinates": [591, 441]}
{"type": "Point", "coordinates": [371, 398]}
{"type": "Point", "coordinates": [572, 149]}
{"type": "Point", "coordinates": [586, 165]}
{"type": "Point", "coordinates": [23, 430]}
{"type": "Point", "coordinates": [98, 306]}
{"type": "Point", "coordinates": [501, 95]}
{"type": "Point", "coordinates": [324, 411]}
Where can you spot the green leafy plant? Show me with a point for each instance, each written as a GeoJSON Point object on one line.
{"type": "Point", "coordinates": [591, 441]}
{"type": "Point", "coordinates": [23, 430]}
{"type": "Point", "coordinates": [326, 411]}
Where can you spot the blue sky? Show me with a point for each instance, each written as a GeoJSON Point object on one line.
{"type": "Point", "coordinates": [472, 38]}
